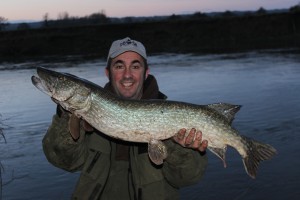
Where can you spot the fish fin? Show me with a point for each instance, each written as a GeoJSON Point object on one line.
{"type": "Point", "coordinates": [157, 151]}
{"type": "Point", "coordinates": [256, 152]}
{"type": "Point", "coordinates": [225, 109]}
{"type": "Point", "coordinates": [87, 127]}
{"type": "Point", "coordinates": [220, 152]}
{"type": "Point", "coordinates": [74, 126]}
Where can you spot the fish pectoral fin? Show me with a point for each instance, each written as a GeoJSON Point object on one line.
{"type": "Point", "coordinates": [74, 126]}
{"type": "Point", "coordinates": [157, 151]}
{"type": "Point", "coordinates": [220, 152]}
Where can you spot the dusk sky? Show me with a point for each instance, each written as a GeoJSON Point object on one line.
{"type": "Point", "coordinates": [36, 9]}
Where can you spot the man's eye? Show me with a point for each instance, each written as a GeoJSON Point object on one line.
{"type": "Point", "coordinates": [136, 66]}
{"type": "Point", "coordinates": [119, 67]}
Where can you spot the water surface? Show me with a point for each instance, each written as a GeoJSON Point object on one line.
{"type": "Point", "coordinates": [267, 85]}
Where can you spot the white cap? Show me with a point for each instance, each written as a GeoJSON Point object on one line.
{"type": "Point", "coordinates": [120, 46]}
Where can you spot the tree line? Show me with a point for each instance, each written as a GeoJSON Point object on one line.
{"type": "Point", "coordinates": [65, 20]}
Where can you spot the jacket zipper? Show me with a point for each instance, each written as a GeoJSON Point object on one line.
{"type": "Point", "coordinates": [96, 157]}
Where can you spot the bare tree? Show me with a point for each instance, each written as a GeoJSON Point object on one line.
{"type": "Point", "coordinates": [261, 11]}
{"type": "Point", "coordinates": [3, 23]}
{"type": "Point", "coordinates": [295, 9]}
{"type": "Point", "coordinates": [1, 167]}
{"type": "Point", "coordinates": [63, 16]}
{"type": "Point", "coordinates": [2, 126]}
{"type": "Point", "coordinates": [46, 20]}
{"type": "Point", "coordinates": [99, 17]}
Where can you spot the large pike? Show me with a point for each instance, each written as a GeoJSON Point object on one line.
{"type": "Point", "coordinates": [150, 121]}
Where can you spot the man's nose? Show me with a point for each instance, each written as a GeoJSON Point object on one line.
{"type": "Point", "coordinates": [127, 72]}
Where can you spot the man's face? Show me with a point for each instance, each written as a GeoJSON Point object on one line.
{"type": "Point", "coordinates": [127, 75]}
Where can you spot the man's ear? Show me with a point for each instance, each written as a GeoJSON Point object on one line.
{"type": "Point", "coordinates": [147, 73]}
{"type": "Point", "coordinates": [107, 72]}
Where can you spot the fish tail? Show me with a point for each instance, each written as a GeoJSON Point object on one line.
{"type": "Point", "coordinates": [256, 152]}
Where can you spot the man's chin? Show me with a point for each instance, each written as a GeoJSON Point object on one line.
{"type": "Point", "coordinates": [128, 95]}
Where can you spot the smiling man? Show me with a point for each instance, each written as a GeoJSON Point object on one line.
{"type": "Point", "coordinates": [114, 169]}
{"type": "Point", "coordinates": [127, 68]}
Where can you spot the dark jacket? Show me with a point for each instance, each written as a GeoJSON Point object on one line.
{"type": "Point", "coordinates": [114, 169]}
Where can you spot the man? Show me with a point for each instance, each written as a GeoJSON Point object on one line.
{"type": "Point", "coordinates": [114, 169]}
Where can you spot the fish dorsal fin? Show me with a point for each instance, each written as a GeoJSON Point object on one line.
{"type": "Point", "coordinates": [225, 109]}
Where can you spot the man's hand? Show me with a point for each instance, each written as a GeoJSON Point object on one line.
{"type": "Point", "coordinates": [193, 140]}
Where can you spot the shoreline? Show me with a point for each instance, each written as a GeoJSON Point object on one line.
{"type": "Point", "coordinates": [58, 61]}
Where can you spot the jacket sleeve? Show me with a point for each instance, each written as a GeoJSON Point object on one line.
{"type": "Point", "coordinates": [183, 166]}
{"type": "Point", "coordinates": [59, 147]}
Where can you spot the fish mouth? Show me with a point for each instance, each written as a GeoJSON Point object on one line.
{"type": "Point", "coordinates": [44, 80]}
{"type": "Point", "coordinates": [40, 85]}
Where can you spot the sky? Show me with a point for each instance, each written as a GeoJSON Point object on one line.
{"type": "Point", "coordinates": [36, 9]}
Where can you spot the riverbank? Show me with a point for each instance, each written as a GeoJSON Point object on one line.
{"type": "Point", "coordinates": [198, 35]}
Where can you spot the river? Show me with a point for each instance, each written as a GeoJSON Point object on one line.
{"type": "Point", "coordinates": [266, 84]}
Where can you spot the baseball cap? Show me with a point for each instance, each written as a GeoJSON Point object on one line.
{"type": "Point", "coordinates": [120, 46]}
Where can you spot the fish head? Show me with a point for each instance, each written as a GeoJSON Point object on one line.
{"type": "Point", "coordinates": [63, 88]}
